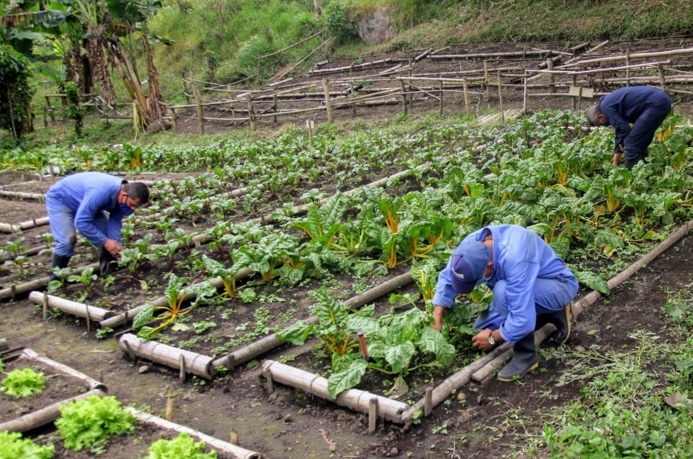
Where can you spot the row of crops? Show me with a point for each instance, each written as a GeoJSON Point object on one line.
{"type": "Point", "coordinates": [289, 229]}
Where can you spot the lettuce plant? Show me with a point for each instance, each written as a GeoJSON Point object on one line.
{"type": "Point", "coordinates": [13, 446]}
{"type": "Point", "coordinates": [90, 422]}
{"type": "Point", "coordinates": [23, 383]}
{"type": "Point", "coordinates": [181, 447]}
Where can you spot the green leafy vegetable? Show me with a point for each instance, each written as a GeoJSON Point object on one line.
{"type": "Point", "coordinates": [181, 447]}
{"type": "Point", "coordinates": [90, 422]}
{"type": "Point", "coordinates": [23, 383]}
{"type": "Point", "coordinates": [13, 446]}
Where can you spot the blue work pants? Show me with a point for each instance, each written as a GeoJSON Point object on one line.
{"type": "Point", "coordinates": [62, 222]}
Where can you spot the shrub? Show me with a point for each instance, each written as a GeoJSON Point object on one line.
{"type": "Point", "coordinates": [15, 98]}
{"type": "Point", "coordinates": [338, 23]}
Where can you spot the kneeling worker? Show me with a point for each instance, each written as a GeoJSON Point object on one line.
{"type": "Point", "coordinates": [531, 287]}
{"type": "Point", "coordinates": [93, 203]}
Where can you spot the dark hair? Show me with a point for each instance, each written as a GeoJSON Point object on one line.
{"type": "Point", "coordinates": [137, 190]}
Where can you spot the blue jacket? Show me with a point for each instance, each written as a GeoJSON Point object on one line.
{"type": "Point", "coordinates": [519, 258]}
{"type": "Point", "coordinates": [87, 194]}
{"type": "Point", "coordinates": [624, 106]}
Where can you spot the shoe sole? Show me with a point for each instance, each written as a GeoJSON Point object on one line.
{"type": "Point", "coordinates": [533, 367]}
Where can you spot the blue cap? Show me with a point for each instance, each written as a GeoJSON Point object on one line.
{"type": "Point", "coordinates": [468, 263]}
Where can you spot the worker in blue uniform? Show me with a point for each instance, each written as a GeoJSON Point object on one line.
{"type": "Point", "coordinates": [531, 287]}
{"type": "Point", "coordinates": [94, 204]}
{"type": "Point", "coordinates": [643, 107]}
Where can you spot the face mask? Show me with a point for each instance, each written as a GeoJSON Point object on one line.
{"type": "Point", "coordinates": [483, 280]}
{"type": "Point", "coordinates": [125, 210]}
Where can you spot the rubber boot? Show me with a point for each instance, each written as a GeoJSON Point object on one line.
{"type": "Point", "coordinates": [106, 260]}
{"type": "Point", "coordinates": [562, 320]}
{"type": "Point", "coordinates": [58, 262]}
{"type": "Point", "coordinates": [525, 359]}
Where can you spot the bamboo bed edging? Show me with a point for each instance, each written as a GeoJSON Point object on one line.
{"type": "Point", "coordinates": [9, 228]}
{"type": "Point", "coordinates": [235, 451]}
{"type": "Point", "coordinates": [126, 316]}
{"type": "Point", "coordinates": [197, 364]}
{"type": "Point", "coordinates": [14, 290]}
{"type": "Point", "coordinates": [71, 307]}
{"type": "Point", "coordinates": [23, 195]}
{"type": "Point", "coordinates": [589, 299]}
{"type": "Point", "coordinates": [45, 415]}
{"type": "Point", "coordinates": [266, 344]}
{"type": "Point", "coordinates": [90, 382]}
{"type": "Point", "coordinates": [35, 223]}
{"type": "Point", "coordinates": [355, 399]}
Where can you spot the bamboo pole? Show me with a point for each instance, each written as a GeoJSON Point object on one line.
{"type": "Point", "coordinates": [404, 97]}
{"type": "Point", "coordinates": [500, 98]}
{"type": "Point", "coordinates": [486, 81]}
{"type": "Point", "coordinates": [524, 96]}
{"type": "Point", "coordinates": [523, 53]}
{"type": "Point", "coordinates": [197, 364]}
{"type": "Point", "coordinates": [328, 104]}
{"type": "Point", "coordinates": [270, 342]}
{"type": "Point", "coordinates": [14, 290]}
{"type": "Point", "coordinates": [441, 99]}
{"type": "Point", "coordinates": [662, 78]}
{"type": "Point", "coordinates": [9, 228]}
{"type": "Point", "coordinates": [251, 113]}
{"type": "Point", "coordinates": [672, 52]}
{"type": "Point", "coordinates": [234, 451]}
{"type": "Point", "coordinates": [552, 79]}
{"type": "Point", "coordinates": [353, 399]}
{"type": "Point", "coordinates": [88, 381]}
{"type": "Point", "coordinates": [44, 416]}
{"type": "Point", "coordinates": [466, 96]}
{"type": "Point", "coordinates": [198, 105]}
{"type": "Point", "coordinates": [23, 195]}
{"type": "Point", "coordinates": [35, 223]}
{"type": "Point", "coordinates": [71, 307]}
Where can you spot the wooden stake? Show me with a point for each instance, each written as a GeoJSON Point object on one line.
{"type": "Point", "coordinates": [428, 401]}
{"type": "Point", "coordinates": [45, 306]}
{"type": "Point", "coordinates": [169, 409]}
{"type": "Point", "coordinates": [627, 66]}
{"type": "Point", "coordinates": [486, 82]}
{"type": "Point", "coordinates": [575, 98]}
{"type": "Point", "coordinates": [500, 98]}
{"type": "Point", "coordinates": [251, 113]}
{"type": "Point", "coordinates": [372, 414]}
{"type": "Point", "coordinates": [270, 382]}
{"type": "Point", "coordinates": [198, 104]}
{"type": "Point", "coordinates": [552, 79]}
{"type": "Point", "coordinates": [328, 103]}
{"type": "Point", "coordinates": [274, 105]}
{"type": "Point", "coordinates": [186, 92]}
{"type": "Point", "coordinates": [181, 366]}
{"type": "Point", "coordinates": [466, 96]}
{"type": "Point", "coordinates": [440, 91]}
{"type": "Point", "coordinates": [662, 79]}
{"type": "Point", "coordinates": [404, 97]}
{"type": "Point", "coordinates": [233, 438]}
{"type": "Point", "coordinates": [174, 118]}
{"type": "Point", "coordinates": [88, 318]}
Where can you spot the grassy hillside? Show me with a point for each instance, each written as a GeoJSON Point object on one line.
{"type": "Point", "coordinates": [222, 40]}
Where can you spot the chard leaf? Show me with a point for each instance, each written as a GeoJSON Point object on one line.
{"type": "Point", "coordinates": [592, 281]}
{"type": "Point", "coordinates": [370, 326]}
{"type": "Point", "coordinates": [143, 317]}
{"type": "Point", "coordinates": [399, 356]}
{"type": "Point", "coordinates": [434, 342]}
{"type": "Point", "coordinates": [297, 334]}
{"type": "Point", "coordinates": [343, 380]}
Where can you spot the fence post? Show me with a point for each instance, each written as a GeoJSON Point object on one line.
{"type": "Point", "coordinates": [404, 97]}
{"type": "Point", "coordinates": [251, 113]}
{"type": "Point", "coordinates": [662, 80]}
{"type": "Point", "coordinates": [552, 78]}
{"type": "Point", "coordinates": [466, 96]}
{"type": "Point", "coordinates": [486, 82]}
{"type": "Point", "coordinates": [441, 97]}
{"type": "Point", "coordinates": [274, 105]}
{"type": "Point", "coordinates": [500, 97]}
{"type": "Point", "coordinates": [627, 66]}
{"type": "Point", "coordinates": [574, 98]}
{"type": "Point", "coordinates": [198, 103]}
{"type": "Point", "coordinates": [174, 118]}
{"type": "Point", "coordinates": [524, 95]}
{"type": "Point", "coordinates": [328, 103]}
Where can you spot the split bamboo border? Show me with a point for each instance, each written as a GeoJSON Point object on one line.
{"type": "Point", "coordinates": [50, 413]}
{"type": "Point", "coordinates": [233, 450]}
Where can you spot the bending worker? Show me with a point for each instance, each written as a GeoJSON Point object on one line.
{"type": "Point", "coordinates": [531, 287]}
{"type": "Point", "coordinates": [95, 204]}
{"type": "Point", "coordinates": [642, 106]}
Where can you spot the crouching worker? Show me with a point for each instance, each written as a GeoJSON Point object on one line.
{"type": "Point", "coordinates": [531, 287]}
{"type": "Point", "coordinates": [95, 204]}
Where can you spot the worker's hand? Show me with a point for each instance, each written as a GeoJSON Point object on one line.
{"type": "Point", "coordinates": [480, 340]}
{"type": "Point", "coordinates": [438, 312]}
{"type": "Point", "coordinates": [113, 248]}
{"type": "Point", "coordinates": [615, 159]}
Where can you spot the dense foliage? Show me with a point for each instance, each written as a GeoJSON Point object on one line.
{"type": "Point", "coordinates": [16, 93]}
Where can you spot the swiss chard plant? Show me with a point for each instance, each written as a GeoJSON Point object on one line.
{"type": "Point", "coordinates": [176, 294]}
{"type": "Point", "coordinates": [23, 383]}
{"type": "Point", "coordinates": [90, 422]}
{"type": "Point", "coordinates": [394, 342]}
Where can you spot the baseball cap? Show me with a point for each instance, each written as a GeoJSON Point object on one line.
{"type": "Point", "coordinates": [468, 263]}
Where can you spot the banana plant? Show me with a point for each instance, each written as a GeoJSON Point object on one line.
{"type": "Point", "coordinates": [176, 293]}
